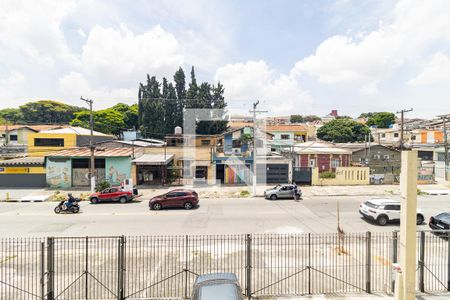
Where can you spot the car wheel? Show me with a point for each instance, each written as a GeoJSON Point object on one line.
{"type": "Point", "coordinates": [273, 197]}
{"type": "Point", "coordinates": [188, 205]}
{"type": "Point", "coordinates": [420, 219]}
{"type": "Point", "coordinates": [123, 200]}
{"type": "Point", "coordinates": [94, 200]}
{"type": "Point", "coordinates": [156, 206]}
{"type": "Point", "coordinates": [382, 220]}
{"type": "Point", "coordinates": [57, 210]}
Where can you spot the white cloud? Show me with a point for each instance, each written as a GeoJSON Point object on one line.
{"type": "Point", "coordinates": [435, 72]}
{"type": "Point", "coordinates": [74, 85]}
{"type": "Point", "coordinates": [120, 54]}
{"type": "Point", "coordinates": [365, 61]}
{"type": "Point", "coordinates": [10, 87]}
{"type": "Point", "coordinates": [32, 30]}
{"type": "Point", "coordinates": [256, 80]}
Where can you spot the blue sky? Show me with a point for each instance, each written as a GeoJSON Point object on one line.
{"type": "Point", "coordinates": [305, 57]}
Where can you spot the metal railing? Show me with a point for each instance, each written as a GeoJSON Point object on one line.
{"type": "Point", "coordinates": [267, 265]}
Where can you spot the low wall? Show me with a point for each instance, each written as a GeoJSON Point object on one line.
{"type": "Point", "coordinates": [344, 176]}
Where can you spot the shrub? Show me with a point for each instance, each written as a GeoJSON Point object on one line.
{"type": "Point", "coordinates": [102, 185]}
{"type": "Point", "coordinates": [245, 194]}
{"type": "Point", "coordinates": [327, 175]}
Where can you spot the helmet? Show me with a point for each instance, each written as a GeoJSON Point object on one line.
{"type": "Point", "coordinates": [69, 194]}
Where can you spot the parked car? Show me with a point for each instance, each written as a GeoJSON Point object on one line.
{"type": "Point", "coordinates": [175, 198]}
{"type": "Point", "coordinates": [112, 194]}
{"type": "Point", "coordinates": [383, 211]}
{"type": "Point", "coordinates": [440, 221]}
{"type": "Point", "coordinates": [217, 286]}
{"type": "Point", "coordinates": [283, 191]}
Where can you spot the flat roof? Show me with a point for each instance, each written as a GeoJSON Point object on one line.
{"type": "Point", "coordinates": [99, 152]}
{"type": "Point", "coordinates": [154, 159]}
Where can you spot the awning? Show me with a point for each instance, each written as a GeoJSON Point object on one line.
{"type": "Point", "coordinates": [153, 159]}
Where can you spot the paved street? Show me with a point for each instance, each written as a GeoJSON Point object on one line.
{"type": "Point", "coordinates": [214, 216]}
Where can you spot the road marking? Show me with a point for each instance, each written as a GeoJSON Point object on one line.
{"type": "Point", "coordinates": [98, 214]}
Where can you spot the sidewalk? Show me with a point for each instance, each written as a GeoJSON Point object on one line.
{"type": "Point", "coordinates": [367, 297]}
{"type": "Point", "coordinates": [236, 191]}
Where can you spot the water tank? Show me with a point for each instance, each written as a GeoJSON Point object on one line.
{"type": "Point", "coordinates": [178, 130]}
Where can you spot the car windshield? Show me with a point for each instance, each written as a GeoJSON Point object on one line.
{"type": "Point", "coordinates": [225, 291]}
{"type": "Point", "coordinates": [277, 187]}
{"type": "Point", "coordinates": [370, 204]}
{"type": "Point", "coordinates": [444, 217]}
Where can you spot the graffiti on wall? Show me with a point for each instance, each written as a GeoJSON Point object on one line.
{"type": "Point", "coordinates": [117, 169]}
{"type": "Point", "coordinates": [59, 173]}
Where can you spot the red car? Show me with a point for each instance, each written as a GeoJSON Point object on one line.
{"type": "Point", "coordinates": [111, 194]}
{"type": "Point", "coordinates": [175, 198]}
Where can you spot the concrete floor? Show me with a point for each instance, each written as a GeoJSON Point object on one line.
{"type": "Point", "coordinates": [214, 216]}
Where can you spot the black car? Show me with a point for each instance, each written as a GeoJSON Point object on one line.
{"type": "Point", "coordinates": [440, 221]}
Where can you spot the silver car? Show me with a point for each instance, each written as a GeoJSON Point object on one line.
{"type": "Point", "coordinates": [217, 286]}
{"type": "Point", "coordinates": [283, 191]}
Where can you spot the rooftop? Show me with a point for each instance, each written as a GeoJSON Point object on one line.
{"type": "Point", "coordinates": [319, 148]}
{"type": "Point", "coordinates": [73, 130]}
{"type": "Point", "coordinates": [99, 152]}
{"type": "Point", "coordinates": [25, 161]}
{"type": "Point", "coordinates": [286, 127]}
{"type": "Point", "coordinates": [31, 127]}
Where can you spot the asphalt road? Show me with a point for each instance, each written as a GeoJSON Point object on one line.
{"type": "Point", "coordinates": [214, 216]}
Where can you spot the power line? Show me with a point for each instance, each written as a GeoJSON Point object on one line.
{"type": "Point", "coordinates": [402, 112]}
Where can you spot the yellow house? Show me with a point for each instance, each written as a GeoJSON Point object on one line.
{"type": "Point", "coordinates": [47, 141]}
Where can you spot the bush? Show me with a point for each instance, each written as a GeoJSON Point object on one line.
{"type": "Point", "coordinates": [327, 175]}
{"type": "Point", "coordinates": [102, 185]}
{"type": "Point", "coordinates": [245, 194]}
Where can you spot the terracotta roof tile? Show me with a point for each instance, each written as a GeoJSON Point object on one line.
{"type": "Point", "coordinates": [99, 152]}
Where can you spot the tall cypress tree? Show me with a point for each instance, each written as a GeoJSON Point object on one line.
{"type": "Point", "coordinates": [191, 94]}
{"type": "Point", "coordinates": [180, 87]}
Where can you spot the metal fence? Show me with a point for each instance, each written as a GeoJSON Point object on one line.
{"type": "Point", "coordinates": [267, 265]}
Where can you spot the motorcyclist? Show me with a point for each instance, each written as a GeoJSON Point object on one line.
{"type": "Point", "coordinates": [70, 201]}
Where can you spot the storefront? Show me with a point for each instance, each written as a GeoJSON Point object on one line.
{"type": "Point", "coordinates": [152, 169]}
{"type": "Point", "coordinates": [70, 168]}
{"type": "Point", "coordinates": [22, 172]}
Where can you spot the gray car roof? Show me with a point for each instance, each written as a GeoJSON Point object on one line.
{"type": "Point", "coordinates": [216, 276]}
{"type": "Point", "coordinates": [224, 291]}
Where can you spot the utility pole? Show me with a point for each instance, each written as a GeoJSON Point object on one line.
{"type": "Point", "coordinates": [91, 143]}
{"type": "Point", "coordinates": [254, 111]}
{"type": "Point", "coordinates": [402, 112]}
{"type": "Point", "coordinates": [444, 124]}
{"type": "Point", "coordinates": [6, 132]}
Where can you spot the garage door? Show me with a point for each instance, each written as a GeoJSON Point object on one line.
{"type": "Point", "coordinates": [274, 173]}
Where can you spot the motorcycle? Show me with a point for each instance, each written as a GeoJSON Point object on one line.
{"type": "Point", "coordinates": [62, 207]}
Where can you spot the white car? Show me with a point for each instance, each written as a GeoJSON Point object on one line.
{"type": "Point", "coordinates": [384, 210]}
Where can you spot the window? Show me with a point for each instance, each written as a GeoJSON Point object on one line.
{"type": "Point", "coordinates": [285, 136]}
{"type": "Point", "coordinates": [236, 143]}
{"type": "Point", "coordinates": [312, 162]}
{"type": "Point", "coordinates": [13, 137]}
{"type": "Point", "coordinates": [114, 190]}
{"type": "Point", "coordinates": [392, 207]}
{"type": "Point", "coordinates": [335, 163]}
{"type": "Point", "coordinates": [377, 156]}
{"type": "Point", "coordinates": [44, 142]}
{"type": "Point", "coordinates": [206, 142]}
{"type": "Point", "coordinates": [413, 138]}
{"type": "Point", "coordinates": [396, 134]}
{"type": "Point", "coordinates": [386, 157]}
{"type": "Point", "coordinates": [383, 135]}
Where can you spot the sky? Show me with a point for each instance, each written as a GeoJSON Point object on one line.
{"type": "Point", "coordinates": [295, 57]}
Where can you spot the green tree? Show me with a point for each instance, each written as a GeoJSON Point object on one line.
{"type": "Point", "coordinates": [48, 111]}
{"type": "Point", "coordinates": [381, 119]}
{"type": "Point", "coordinates": [343, 131]}
{"type": "Point", "coordinates": [311, 118]}
{"type": "Point", "coordinates": [297, 119]}
{"type": "Point", "coordinates": [108, 121]}
{"type": "Point", "coordinates": [191, 94]}
{"type": "Point", "coordinates": [366, 115]}
{"type": "Point", "coordinates": [151, 109]}
{"type": "Point", "coordinates": [180, 86]}
{"type": "Point", "coordinates": [130, 117]}
{"type": "Point", "coordinates": [13, 115]}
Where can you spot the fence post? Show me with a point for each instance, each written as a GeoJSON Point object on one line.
{"type": "Point", "coordinates": [422, 261]}
{"type": "Point", "coordinates": [86, 272]}
{"type": "Point", "coordinates": [43, 270]}
{"type": "Point", "coordinates": [368, 260]}
{"type": "Point", "coordinates": [248, 265]}
{"type": "Point", "coordinates": [50, 268]}
{"type": "Point", "coordinates": [121, 268]}
{"type": "Point", "coordinates": [448, 260]}
{"type": "Point", "coordinates": [186, 253]}
{"type": "Point", "coordinates": [394, 257]}
{"type": "Point", "coordinates": [309, 263]}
